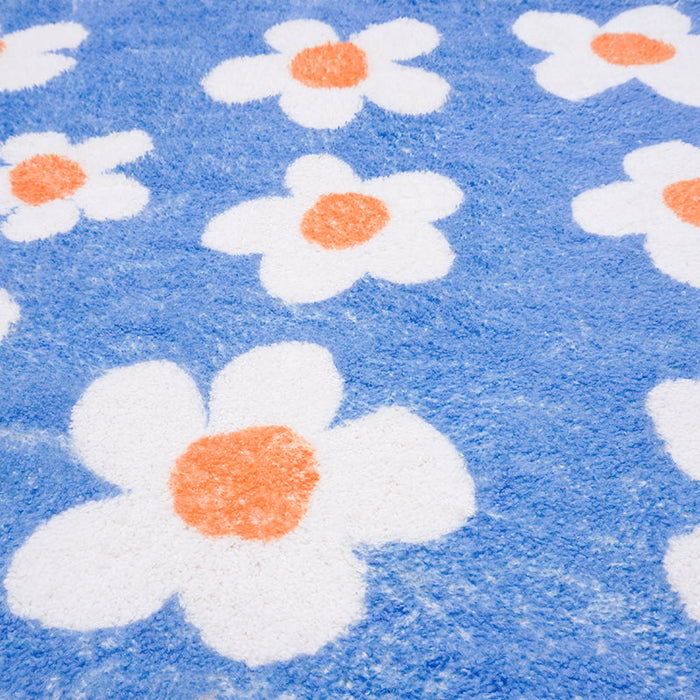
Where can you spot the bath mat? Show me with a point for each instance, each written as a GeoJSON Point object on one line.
{"type": "Point", "coordinates": [349, 350]}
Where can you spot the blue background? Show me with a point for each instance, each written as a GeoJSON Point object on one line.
{"type": "Point", "coordinates": [534, 355]}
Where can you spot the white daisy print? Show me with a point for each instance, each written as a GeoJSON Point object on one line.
{"type": "Point", "coordinates": [323, 81]}
{"type": "Point", "coordinates": [9, 312]}
{"type": "Point", "coordinates": [651, 43]}
{"type": "Point", "coordinates": [335, 228]}
{"type": "Point", "coordinates": [662, 201]}
{"type": "Point", "coordinates": [47, 182]}
{"type": "Point", "coordinates": [675, 409]}
{"type": "Point", "coordinates": [27, 57]}
{"type": "Point", "coordinates": [250, 514]}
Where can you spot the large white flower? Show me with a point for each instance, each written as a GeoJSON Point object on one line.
{"type": "Point", "coordinates": [251, 516]}
{"type": "Point", "coordinates": [675, 409]}
{"type": "Point", "coordinates": [335, 228]}
{"type": "Point", "coordinates": [49, 181]}
{"type": "Point", "coordinates": [9, 312]}
{"type": "Point", "coordinates": [662, 201]}
{"type": "Point", "coordinates": [322, 81]}
{"type": "Point", "coordinates": [649, 43]}
{"type": "Point", "coordinates": [27, 58]}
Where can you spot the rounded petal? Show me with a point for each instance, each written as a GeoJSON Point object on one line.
{"type": "Point", "coordinates": [270, 603]}
{"type": "Point", "coordinates": [391, 477]}
{"type": "Point", "coordinates": [663, 163]}
{"type": "Point", "coordinates": [309, 176]}
{"type": "Point", "coordinates": [657, 21]}
{"type": "Point", "coordinates": [8, 201]}
{"type": "Point", "coordinates": [18, 71]}
{"type": "Point", "coordinates": [9, 312]}
{"type": "Point", "coordinates": [406, 90]}
{"type": "Point", "coordinates": [252, 227]}
{"type": "Point", "coordinates": [34, 223]}
{"type": "Point", "coordinates": [554, 31]}
{"type": "Point", "coordinates": [682, 564]}
{"type": "Point", "coordinates": [674, 407]}
{"type": "Point", "coordinates": [679, 79]}
{"type": "Point", "coordinates": [248, 78]}
{"type": "Point", "coordinates": [413, 255]}
{"type": "Point", "coordinates": [18, 148]}
{"type": "Point", "coordinates": [674, 250]}
{"type": "Point", "coordinates": [320, 108]}
{"type": "Point", "coordinates": [101, 564]}
{"type": "Point", "coordinates": [398, 40]}
{"type": "Point", "coordinates": [47, 37]}
{"type": "Point", "coordinates": [291, 37]}
{"type": "Point", "coordinates": [133, 422]}
{"type": "Point", "coordinates": [103, 153]}
{"type": "Point", "coordinates": [292, 384]}
{"type": "Point", "coordinates": [113, 196]}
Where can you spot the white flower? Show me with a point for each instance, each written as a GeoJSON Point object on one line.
{"type": "Point", "coordinates": [251, 516]}
{"type": "Point", "coordinates": [662, 201]}
{"type": "Point", "coordinates": [675, 409]}
{"type": "Point", "coordinates": [27, 58]}
{"type": "Point", "coordinates": [49, 181]}
{"type": "Point", "coordinates": [9, 312]}
{"type": "Point", "coordinates": [649, 43]}
{"type": "Point", "coordinates": [335, 228]}
{"type": "Point", "coordinates": [322, 82]}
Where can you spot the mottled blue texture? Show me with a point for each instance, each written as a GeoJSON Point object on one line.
{"type": "Point", "coordinates": [534, 355]}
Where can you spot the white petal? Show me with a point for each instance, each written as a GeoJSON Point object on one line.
{"type": "Point", "coordinates": [252, 227]}
{"type": "Point", "coordinates": [9, 312]}
{"type": "Point", "coordinates": [19, 148]}
{"type": "Point", "coordinates": [292, 384]}
{"type": "Point", "coordinates": [320, 108]}
{"type": "Point", "coordinates": [674, 407]}
{"type": "Point", "coordinates": [306, 276]}
{"type": "Point", "coordinates": [675, 251]}
{"type": "Point", "coordinates": [34, 223]}
{"type": "Point", "coordinates": [248, 78]}
{"type": "Point", "coordinates": [309, 176]}
{"type": "Point", "coordinates": [133, 422]}
{"type": "Point", "coordinates": [664, 163]}
{"type": "Point", "coordinates": [391, 477]}
{"type": "Point", "coordinates": [554, 31]}
{"type": "Point", "coordinates": [682, 564]}
{"type": "Point", "coordinates": [48, 37]}
{"type": "Point", "coordinates": [657, 21]}
{"type": "Point", "coordinates": [679, 78]}
{"type": "Point", "coordinates": [18, 70]}
{"type": "Point", "coordinates": [273, 602]}
{"type": "Point", "coordinates": [398, 40]}
{"type": "Point", "coordinates": [405, 90]}
{"type": "Point", "coordinates": [417, 196]}
{"type": "Point", "coordinates": [8, 201]}
{"type": "Point", "coordinates": [291, 37]}
{"type": "Point", "coordinates": [101, 564]}
{"type": "Point", "coordinates": [417, 253]}
{"type": "Point", "coordinates": [103, 153]}
{"type": "Point", "coordinates": [113, 196]}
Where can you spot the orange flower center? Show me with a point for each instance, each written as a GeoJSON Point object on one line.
{"type": "Point", "coordinates": [254, 483]}
{"type": "Point", "coordinates": [2, 45]}
{"type": "Point", "coordinates": [340, 221]}
{"type": "Point", "coordinates": [338, 65]}
{"type": "Point", "coordinates": [683, 198]}
{"type": "Point", "coordinates": [631, 49]}
{"type": "Point", "coordinates": [45, 177]}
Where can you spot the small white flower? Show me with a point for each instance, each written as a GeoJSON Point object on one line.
{"type": "Point", "coordinates": [27, 58]}
{"type": "Point", "coordinates": [662, 201]}
{"type": "Point", "coordinates": [251, 516]}
{"type": "Point", "coordinates": [48, 182]}
{"type": "Point", "coordinates": [9, 312]}
{"type": "Point", "coordinates": [335, 228]}
{"type": "Point", "coordinates": [675, 409]}
{"type": "Point", "coordinates": [322, 82]}
{"type": "Point", "coordinates": [650, 43]}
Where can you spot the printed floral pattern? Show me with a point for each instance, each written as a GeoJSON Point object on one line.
{"type": "Point", "coordinates": [9, 312]}
{"type": "Point", "coordinates": [335, 228]}
{"type": "Point", "coordinates": [251, 516]}
{"type": "Point", "coordinates": [662, 201]}
{"type": "Point", "coordinates": [323, 82]}
{"type": "Point", "coordinates": [650, 43]}
{"type": "Point", "coordinates": [48, 182]}
{"type": "Point", "coordinates": [27, 57]}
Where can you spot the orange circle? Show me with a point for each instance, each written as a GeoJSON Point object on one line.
{"type": "Point", "coordinates": [338, 65]}
{"type": "Point", "coordinates": [340, 221]}
{"type": "Point", "coordinates": [46, 177]}
{"type": "Point", "coordinates": [627, 49]}
{"type": "Point", "coordinates": [254, 483]}
{"type": "Point", "coordinates": [2, 45]}
{"type": "Point", "coordinates": [683, 198]}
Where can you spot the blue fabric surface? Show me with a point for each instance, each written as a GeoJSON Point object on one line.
{"type": "Point", "coordinates": [534, 355]}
